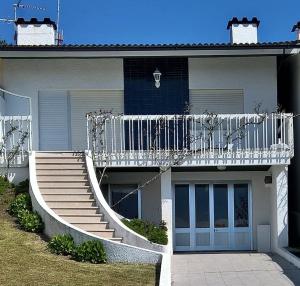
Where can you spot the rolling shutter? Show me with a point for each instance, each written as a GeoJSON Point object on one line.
{"type": "Point", "coordinates": [53, 121]}
{"type": "Point", "coordinates": [83, 102]}
{"type": "Point", "coordinates": [226, 101]}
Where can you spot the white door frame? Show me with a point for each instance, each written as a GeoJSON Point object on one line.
{"type": "Point", "coordinates": [192, 230]}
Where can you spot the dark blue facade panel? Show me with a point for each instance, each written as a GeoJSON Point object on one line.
{"type": "Point", "coordinates": [141, 96]}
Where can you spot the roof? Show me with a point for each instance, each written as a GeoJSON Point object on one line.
{"type": "Point", "coordinates": [35, 21]}
{"type": "Point", "coordinates": [244, 21]}
{"type": "Point", "coordinates": [149, 47]}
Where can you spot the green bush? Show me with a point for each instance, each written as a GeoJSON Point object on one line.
{"type": "Point", "coordinates": [90, 251]}
{"type": "Point", "coordinates": [20, 203]}
{"type": "Point", "coordinates": [62, 244]}
{"type": "Point", "coordinates": [30, 221]}
{"type": "Point", "coordinates": [156, 234]}
{"type": "Point", "coordinates": [4, 184]}
{"type": "Point", "coordinates": [22, 187]}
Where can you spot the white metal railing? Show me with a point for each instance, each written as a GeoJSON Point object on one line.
{"type": "Point", "coordinates": [209, 139]}
{"type": "Point", "coordinates": [15, 139]}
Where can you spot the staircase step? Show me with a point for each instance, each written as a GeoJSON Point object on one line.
{"type": "Point", "coordinates": [64, 166]}
{"type": "Point", "coordinates": [60, 160]}
{"type": "Point", "coordinates": [116, 239]}
{"type": "Point", "coordinates": [83, 219]}
{"type": "Point", "coordinates": [108, 233]}
{"type": "Point", "coordinates": [64, 179]}
{"type": "Point", "coordinates": [66, 191]}
{"type": "Point", "coordinates": [55, 172]}
{"type": "Point", "coordinates": [72, 205]}
{"type": "Point", "coordinates": [62, 185]}
{"type": "Point", "coordinates": [59, 155]}
{"type": "Point", "coordinates": [101, 226]}
{"type": "Point", "coordinates": [77, 211]}
{"type": "Point", "coordinates": [69, 197]}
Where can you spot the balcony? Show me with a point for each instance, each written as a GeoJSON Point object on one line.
{"type": "Point", "coordinates": [15, 140]}
{"type": "Point", "coordinates": [190, 140]}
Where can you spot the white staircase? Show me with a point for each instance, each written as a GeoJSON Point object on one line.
{"type": "Point", "coordinates": [64, 185]}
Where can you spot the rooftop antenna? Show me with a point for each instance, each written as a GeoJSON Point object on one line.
{"type": "Point", "coordinates": [59, 35]}
{"type": "Point", "coordinates": [19, 5]}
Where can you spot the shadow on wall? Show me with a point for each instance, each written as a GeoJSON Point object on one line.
{"type": "Point", "coordinates": [16, 105]}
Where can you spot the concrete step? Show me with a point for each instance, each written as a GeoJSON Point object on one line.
{"type": "Point", "coordinates": [60, 160]}
{"type": "Point", "coordinates": [63, 166]}
{"type": "Point", "coordinates": [76, 211]}
{"type": "Point", "coordinates": [65, 178]}
{"type": "Point", "coordinates": [55, 172]}
{"type": "Point", "coordinates": [61, 185]}
{"type": "Point", "coordinates": [83, 219]}
{"type": "Point", "coordinates": [66, 191]}
{"type": "Point", "coordinates": [100, 226]}
{"type": "Point", "coordinates": [116, 239]}
{"type": "Point", "coordinates": [72, 205]}
{"type": "Point", "coordinates": [59, 155]}
{"type": "Point", "coordinates": [69, 197]}
{"type": "Point", "coordinates": [107, 233]}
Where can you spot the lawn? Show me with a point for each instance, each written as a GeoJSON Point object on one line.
{"type": "Point", "coordinates": [25, 260]}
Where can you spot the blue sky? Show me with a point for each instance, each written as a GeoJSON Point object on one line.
{"type": "Point", "coordinates": [158, 21]}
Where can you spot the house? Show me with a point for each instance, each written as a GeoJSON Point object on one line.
{"type": "Point", "coordinates": [200, 118]}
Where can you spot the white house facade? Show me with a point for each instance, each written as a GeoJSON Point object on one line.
{"type": "Point", "coordinates": [211, 130]}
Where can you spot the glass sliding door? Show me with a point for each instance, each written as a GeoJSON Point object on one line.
{"type": "Point", "coordinates": [241, 211]}
{"type": "Point", "coordinates": [212, 216]}
{"type": "Point", "coordinates": [182, 216]}
{"type": "Point", "coordinates": [202, 216]}
{"type": "Point", "coordinates": [221, 216]}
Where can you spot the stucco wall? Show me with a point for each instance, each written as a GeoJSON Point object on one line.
{"type": "Point", "coordinates": [261, 205]}
{"type": "Point", "coordinates": [28, 76]}
{"type": "Point", "coordinates": [256, 76]}
{"type": "Point", "coordinates": [150, 197]}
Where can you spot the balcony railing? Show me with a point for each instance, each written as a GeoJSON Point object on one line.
{"type": "Point", "coordinates": [15, 140]}
{"type": "Point", "coordinates": [191, 140]}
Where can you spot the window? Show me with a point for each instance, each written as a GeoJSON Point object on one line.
{"type": "Point", "coordinates": [130, 207]}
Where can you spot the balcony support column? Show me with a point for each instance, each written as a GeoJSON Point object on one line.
{"type": "Point", "coordinates": [279, 207]}
{"type": "Point", "coordinates": [166, 205]}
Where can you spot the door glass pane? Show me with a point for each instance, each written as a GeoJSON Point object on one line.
{"type": "Point", "coordinates": [241, 218]}
{"type": "Point", "coordinates": [202, 206]}
{"type": "Point", "coordinates": [127, 208]}
{"type": "Point", "coordinates": [221, 205]}
{"type": "Point", "coordinates": [182, 213]}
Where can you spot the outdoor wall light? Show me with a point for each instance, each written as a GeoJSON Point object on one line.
{"type": "Point", "coordinates": [157, 75]}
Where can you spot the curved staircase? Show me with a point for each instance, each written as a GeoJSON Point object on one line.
{"type": "Point", "coordinates": [64, 185]}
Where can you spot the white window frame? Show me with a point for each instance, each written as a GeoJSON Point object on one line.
{"type": "Point", "coordinates": [192, 229]}
{"type": "Point", "coordinates": [139, 197]}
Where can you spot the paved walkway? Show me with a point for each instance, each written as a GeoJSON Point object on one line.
{"type": "Point", "coordinates": [233, 269]}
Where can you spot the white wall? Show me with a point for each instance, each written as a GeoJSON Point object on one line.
{"type": "Point", "coordinates": [27, 77]}
{"type": "Point", "coordinates": [35, 34]}
{"type": "Point", "coordinates": [261, 205]}
{"type": "Point", "coordinates": [256, 76]}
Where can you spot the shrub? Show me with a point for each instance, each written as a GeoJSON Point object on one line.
{"type": "Point", "coordinates": [62, 244]}
{"type": "Point", "coordinates": [20, 203]}
{"type": "Point", "coordinates": [22, 187]}
{"type": "Point", "coordinates": [4, 184]}
{"type": "Point", "coordinates": [30, 221]}
{"type": "Point", "coordinates": [156, 234]}
{"type": "Point", "coordinates": [90, 251]}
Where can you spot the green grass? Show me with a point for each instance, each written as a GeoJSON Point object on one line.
{"type": "Point", "coordinates": [25, 260]}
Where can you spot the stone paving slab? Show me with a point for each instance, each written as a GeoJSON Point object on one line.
{"type": "Point", "coordinates": [250, 269]}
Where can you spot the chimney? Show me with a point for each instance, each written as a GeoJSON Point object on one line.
{"type": "Point", "coordinates": [296, 29]}
{"type": "Point", "coordinates": [243, 31]}
{"type": "Point", "coordinates": [35, 32]}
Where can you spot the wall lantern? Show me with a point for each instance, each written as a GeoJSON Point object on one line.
{"type": "Point", "coordinates": [157, 75]}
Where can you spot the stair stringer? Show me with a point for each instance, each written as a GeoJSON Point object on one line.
{"type": "Point", "coordinates": [54, 224]}
{"type": "Point", "coordinates": [129, 236]}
